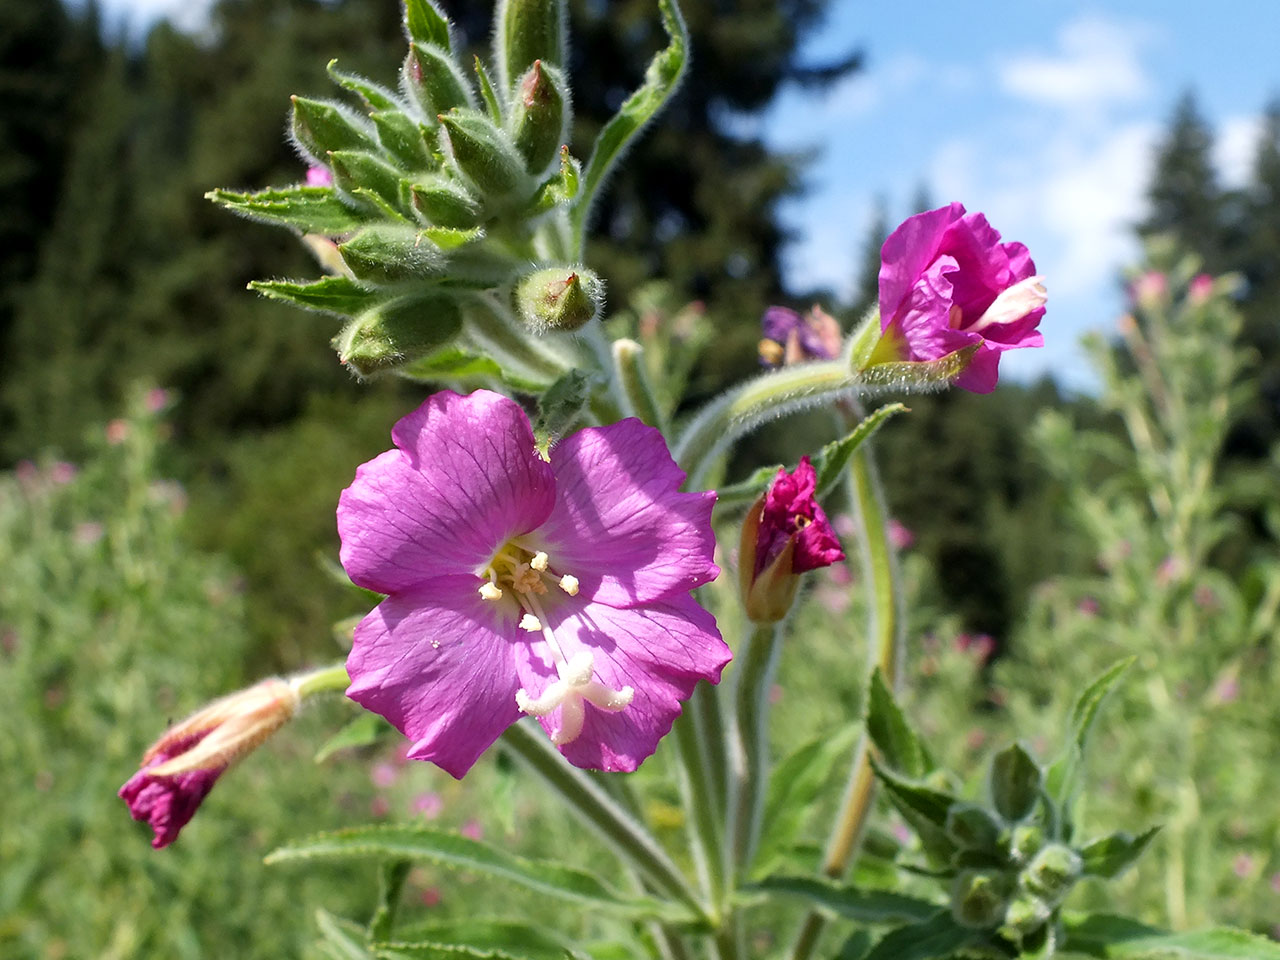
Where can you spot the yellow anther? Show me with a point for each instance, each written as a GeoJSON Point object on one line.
{"type": "Point", "coordinates": [531, 623]}
{"type": "Point", "coordinates": [539, 561]}
{"type": "Point", "coordinates": [569, 584]}
{"type": "Point", "coordinates": [491, 591]}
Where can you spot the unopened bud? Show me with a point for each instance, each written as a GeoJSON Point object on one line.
{"type": "Point", "coordinates": [434, 80]}
{"type": "Point", "coordinates": [1052, 873]}
{"type": "Point", "coordinates": [1025, 842]}
{"type": "Point", "coordinates": [319, 127]}
{"type": "Point", "coordinates": [559, 298]}
{"type": "Point", "coordinates": [390, 255]}
{"type": "Point", "coordinates": [1025, 915]}
{"type": "Point", "coordinates": [539, 116]}
{"type": "Point", "coordinates": [529, 30]}
{"type": "Point", "coordinates": [356, 172]}
{"type": "Point", "coordinates": [396, 333]}
{"type": "Point", "coordinates": [1015, 781]}
{"type": "Point", "coordinates": [483, 155]}
{"type": "Point", "coordinates": [972, 828]}
{"type": "Point", "coordinates": [443, 203]}
{"type": "Point", "coordinates": [979, 899]}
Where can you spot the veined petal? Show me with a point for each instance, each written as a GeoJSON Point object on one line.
{"type": "Point", "coordinates": [660, 650]}
{"type": "Point", "coordinates": [906, 254]}
{"type": "Point", "coordinates": [438, 663]}
{"type": "Point", "coordinates": [464, 479]}
{"type": "Point", "coordinates": [620, 524]}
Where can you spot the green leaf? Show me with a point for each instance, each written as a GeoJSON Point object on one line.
{"type": "Point", "coordinates": [1108, 856]}
{"type": "Point", "coordinates": [1015, 782]}
{"type": "Point", "coordinates": [1060, 781]}
{"type": "Point", "coordinates": [1220, 943]}
{"type": "Point", "coordinates": [450, 238]}
{"type": "Point", "coordinates": [855, 947]}
{"type": "Point", "coordinates": [356, 170]}
{"type": "Point", "coordinates": [453, 850]}
{"type": "Point", "coordinates": [864, 906]}
{"type": "Point", "coordinates": [662, 77]}
{"type": "Point", "coordinates": [364, 730]}
{"type": "Point", "coordinates": [561, 406]}
{"type": "Point", "coordinates": [452, 363]}
{"type": "Point", "coordinates": [793, 787]}
{"type": "Point", "coordinates": [374, 95]}
{"type": "Point", "coordinates": [308, 209]}
{"type": "Point", "coordinates": [1093, 933]}
{"type": "Point", "coordinates": [337, 295]}
{"type": "Point", "coordinates": [892, 734]}
{"type": "Point", "coordinates": [426, 23]}
{"type": "Point", "coordinates": [907, 795]}
{"type": "Point", "coordinates": [536, 943]}
{"type": "Point", "coordinates": [345, 938]}
{"type": "Point", "coordinates": [400, 950]}
{"type": "Point", "coordinates": [938, 936]}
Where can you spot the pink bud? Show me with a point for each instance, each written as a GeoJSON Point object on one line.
{"type": "Point", "coordinates": [117, 432]}
{"type": "Point", "coordinates": [1200, 289]}
{"type": "Point", "coordinates": [319, 177]}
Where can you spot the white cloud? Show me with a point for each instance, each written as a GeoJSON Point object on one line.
{"type": "Point", "coordinates": [1097, 62]}
{"type": "Point", "coordinates": [866, 91]}
{"type": "Point", "coordinates": [1235, 148]}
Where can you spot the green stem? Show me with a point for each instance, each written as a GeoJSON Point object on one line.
{"type": "Point", "coordinates": [700, 810]}
{"type": "Point", "coordinates": [628, 359]}
{"type": "Point", "coordinates": [623, 832]}
{"type": "Point", "coordinates": [757, 665]}
{"type": "Point", "coordinates": [491, 323]}
{"type": "Point", "coordinates": [322, 680]}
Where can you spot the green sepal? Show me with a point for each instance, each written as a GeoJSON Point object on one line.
{"type": "Point", "coordinates": [561, 188]}
{"type": "Point", "coordinates": [397, 332]}
{"type": "Point", "coordinates": [487, 93]}
{"type": "Point", "coordinates": [442, 202]}
{"type": "Point", "coordinates": [1015, 782]}
{"type": "Point", "coordinates": [893, 735]}
{"type": "Point", "coordinates": [525, 31]}
{"type": "Point", "coordinates": [402, 138]}
{"type": "Point", "coordinates": [364, 731]}
{"type": "Point", "coordinates": [308, 209]}
{"type": "Point", "coordinates": [540, 116]}
{"type": "Point", "coordinates": [979, 898]}
{"type": "Point", "coordinates": [374, 95]}
{"type": "Point", "coordinates": [925, 376]}
{"type": "Point", "coordinates": [337, 295]}
{"type": "Point", "coordinates": [434, 80]}
{"type": "Point", "coordinates": [453, 364]}
{"type": "Point", "coordinates": [1111, 855]}
{"type": "Point", "coordinates": [483, 155]}
{"type": "Point", "coordinates": [356, 171]}
{"type": "Point", "coordinates": [426, 23]}
{"type": "Point", "coordinates": [386, 254]}
{"type": "Point", "coordinates": [973, 829]}
{"type": "Point", "coordinates": [451, 238]}
{"type": "Point", "coordinates": [320, 127]}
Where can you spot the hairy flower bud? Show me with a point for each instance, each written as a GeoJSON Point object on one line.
{"type": "Point", "coordinates": [539, 116]}
{"type": "Point", "coordinates": [434, 80]}
{"type": "Point", "coordinates": [390, 255]}
{"type": "Point", "coordinates": [1052, 873]}
{"type": "Point", "coordinates": [483, 155]}
{"type": "Point", "coordinates": [972, 828]}
{"type": "Point", "coordinates": [979, 898]}
{"type": "Point", "coordinates": [180, 768]}
{"type": "Point", "coordinates": [357, 173]}
{"type": "Point", "coordinates": [442, 202]}
{"type": "Point", "coordinates": [319, 128]}
{"type": "Point", "coordinates": [528, 30]}
{"type": "Point", "coordinates": [395, 333]}
{"type": "Point", "coordinates": [559, 298]}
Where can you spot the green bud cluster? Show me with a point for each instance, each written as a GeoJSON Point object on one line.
{"type": "Point", "coordinates": [450, 190]}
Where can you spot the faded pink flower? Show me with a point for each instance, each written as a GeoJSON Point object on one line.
{"type": "Point", "coordinates": [428, 805]}
{"type": "Point", "coordinates": [62, 473]}
{"type": "Point", "coordinates": [515, 584]}
{"type": "Point", "coordinates": [1149, 289]}
{"type": "Point", "coordinates": [383, 775]}
{"type": "Point", "coordinates": [948, 283]}
{"type": "Point", "coordinates": [431, 897]}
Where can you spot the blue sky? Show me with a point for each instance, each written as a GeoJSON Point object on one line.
{"type": "Point", "coordinates": [1041, 113]}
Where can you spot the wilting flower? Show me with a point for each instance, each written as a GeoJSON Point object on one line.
{"type": "Point", "coordinates": [514, 584]}
{"type": "Point", "coordinates": [787, 337]}
{"type": "Point", "coordinates": [947, 283]}
{"type": "Point", "coordinates": [183, 765]}
{"type": "Point", "coordinates": [784, 534]}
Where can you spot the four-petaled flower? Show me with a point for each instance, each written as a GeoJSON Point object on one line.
{"type": "Point", "coordinates": [947, 283]}
{"type": "Point", "coordinates": [557, 588]}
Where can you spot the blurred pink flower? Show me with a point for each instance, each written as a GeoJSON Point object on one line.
{"type": "Point", "coordinates": [1242, 866]}
{"type": "Point", "coordinates": [379, 807]}
{"type": "Point", "coordinates": [428, 805]}
{"type": "Point", "coordinates": [979, 645]}
{"type": "Point", "coordinates": [62, 473]}
{"type": "Point", "coordinates": [1149, 289]}
{"type": "Point", "coordinates": [319, 177]}
{"type": "Point", "coordinates": [1088, 606]}
{"type": "Point", "coordinates": [157, 400]}
{"type": "Point", "coordinates": [28, 475]}
{"type": "Point", "coordinates": [472, 829]}
{"type": "Point", "coordinates": [88, 533]}
{"type": "Point", "coordinates": [383, 775]}
{"type": "Point", "coordinates": [431, 897]}
{"type": "Point", "coordinates": [1200, 289]}
{"type": "Point", "coordinates": [900, 535]}
{"type": "Point", "coordinates": [117, 432]}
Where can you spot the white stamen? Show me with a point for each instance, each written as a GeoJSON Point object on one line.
{"type": "Point", "coordinates": [491, 591]}
{"type": "Point", "coordinates": [531, 623]}
{"type": "Point", "coordinates": [1014, 303]}
{"type": "Point", "coordinates": [539, 561]}
{"type": "Point", "coordinates": [569, 584]}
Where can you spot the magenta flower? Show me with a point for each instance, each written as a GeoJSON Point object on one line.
{"type": "Point", "coordinates": [319, 177]}
{"type": "Point", "coordinates": [947, 283]}
{"type": "Point", "coordinates": [785, 534]}
{"type": "Point", "coordinates": [515, 584]}
{"type": "Point", "coordinates": [168, 803]}
{"type": "Point", "coordinates": [787, 337]}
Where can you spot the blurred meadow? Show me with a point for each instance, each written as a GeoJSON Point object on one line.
{"type": "Point", "coordinates": [172, 448]}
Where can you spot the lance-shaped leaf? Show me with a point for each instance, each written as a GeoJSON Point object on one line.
{"type": "Point", "coordinates": [337, 295]}
{"type": "Point", "coordinates": [509, 936]}
{"type": "Point", "coordinates": [863, 906]}
{"type": "Point", "coordinates": [343, 939]}
{"type": "Point", "coordinates": [1124, 939]}
{"type": "Point", "coordinates": [898, 743]}
{"type": "Point", "coordinates": [427, 24]}
{"type": "Point", "coordinates": [1108, 856]}
{"type": "Point", "coordinates": [308, 209]}
{"type": "Point", "coordinates": [662, 77]}
{"type": "Point", "coordinates": [403, 950]}
{"type": "Point", "coordinates": [421, 844]}
{"type": "Point", "coordinates": [1061, 778]}
{"type": "Point", "coordinates": [365, 730]}
{"type": "Point", "coordinates": [939, 936]}
{"type": "Point", "coordinates": [924, 807]}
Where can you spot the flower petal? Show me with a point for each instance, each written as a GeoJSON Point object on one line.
{"type": "Point", "coordinates": [464, 479]}
{"type": "Point", "coordinates": [907, 252]}
{"type": "Point", "coordinates": [620, 524]}
{"type": "Point", "coordinates": [661, 650]}
{"type": "Point", "coordinates": [438, 663]}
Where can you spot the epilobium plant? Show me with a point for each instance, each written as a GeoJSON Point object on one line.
{"type": "Point", "coordinates": [538, 574]}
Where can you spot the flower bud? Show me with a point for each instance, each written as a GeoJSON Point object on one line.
{"type": "Point", "coordinates": [355, 170]}
{"type": "Point", "coordinates": [979, 898]}
{"type": "Point", "coordinates": [320, 127]}
{"type": "Point", "coordinates": [1024, 915]}
{"type": "Point", "coordinates": [972, 828]}
{"type": "Point", "coordinates": [784, 534]}
{"type": "Point", "coordinates": [395, 333]}
{"type": "Point", "coordinates": [1052, 873]}
{"type": "Point", "coordinates": [559, 298]}
{"type": "Point", "coordinates": [434, 80]}
{"type": "Point", "coordinates": [180, 768]}
{"type": "Point", "coordinates": [441, 202]}
{"type": "Point", "coordinates": [1015, 782]}
{"type": "Point", "coordinates": [483, 155]}
{"type": "Point", "coordinates": [539, 116]}
{"type": "Point", "coordinates": [390, 255]}
{"type": "Point", "coordinates": [1024, 842]}
{"type": "Point", "coordinates": [528, 30]}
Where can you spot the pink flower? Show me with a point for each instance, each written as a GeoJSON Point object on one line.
{"type": "Point", "coordinates": [1150, 289]}
{"type": "Point", "coordinates": [383, 775]}
{"type": "Point", "coordinates": [62, 473]}
{"type": "Point", "coordinates": [948, 283]}
{"type": "Point", "coordinates": [785, 534]}
{"type": "Point", "coordinates": [514, 584]}
{"type": "Point", "coordinates": [117, 432]}
{"type": "Point", "coordinates": [1200, 289]}
{"type": "Point", "coordinates": [788, 338]}
{"type": "Point", "coordinates": [431, 897]}
{"type": "Point", "coordinates": [900, 535]}
{"type": "Point", "coordinates": [472, 829]}
{"type": "Point", "coordinates": [428, 805]}
{"type": "Point", "coordinates": [157, 399]}
{"type": "Point", "coordinates": [180, 768]}
{"type": "Point", "coordinates": [319, 177]}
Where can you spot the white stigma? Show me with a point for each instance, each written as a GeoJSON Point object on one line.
{"type": "Point", "coordinates": [531, 623]}
{"type": "Point", "coordinates": [569, 693]}
{"type": "Point", "coordinates": [569, 584]}
{"type": "Point", "coordinates": [491, 591]}
{"type": "Point", "coordinates": [1014, 303]}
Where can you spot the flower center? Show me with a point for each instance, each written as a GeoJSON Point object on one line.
{"type": "Point", "coordinates": [526, 573]}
